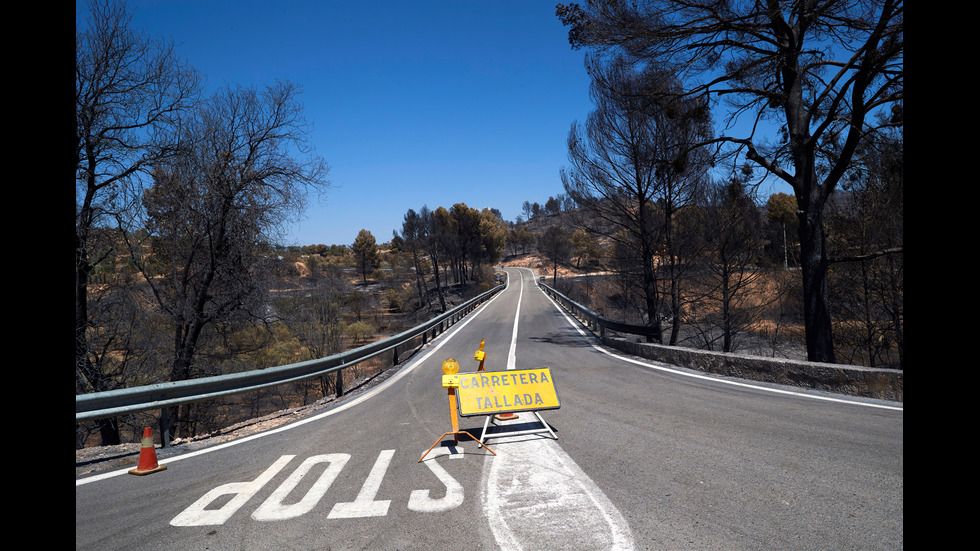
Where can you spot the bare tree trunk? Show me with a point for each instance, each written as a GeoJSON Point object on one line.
{"type": "Point", "coordinates": [435, 270]}
{"type": "Point", "coordinates": [816, 297]}
{"type": "Point", "coordinates": [651, 294]}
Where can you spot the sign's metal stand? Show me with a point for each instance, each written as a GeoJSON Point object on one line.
{"type": "Point", "coordinates": [545, 428]}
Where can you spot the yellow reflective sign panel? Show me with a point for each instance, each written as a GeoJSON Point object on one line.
{"type": "Point", "coordinates": [492, 392]}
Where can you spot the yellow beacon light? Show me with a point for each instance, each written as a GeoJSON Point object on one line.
{"type": "Point", "coordinates": [450, 380]}
{"type": "Point", "coordinates": [450, 367]}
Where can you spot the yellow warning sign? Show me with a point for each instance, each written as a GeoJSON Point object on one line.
{"type": "Point", "coordinates": [492, 392]}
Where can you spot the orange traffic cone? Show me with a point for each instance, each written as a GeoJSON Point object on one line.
{"type": "Point", "coordinates": [148, 456]}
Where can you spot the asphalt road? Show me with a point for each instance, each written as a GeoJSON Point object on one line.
{"type": "Point", "coordinates": [646, 457]}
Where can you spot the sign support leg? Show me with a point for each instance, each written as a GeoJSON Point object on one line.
{"type": "Point", "coordinates": [455, 432]}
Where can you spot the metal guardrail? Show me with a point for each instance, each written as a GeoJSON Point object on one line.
{"type": "Point", "coordinates": [593, 321]}
{"type": "Point", "coordinates": [99, 405]}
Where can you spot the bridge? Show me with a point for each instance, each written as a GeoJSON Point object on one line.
{"type": "Point", "coordinates": [639, 455]}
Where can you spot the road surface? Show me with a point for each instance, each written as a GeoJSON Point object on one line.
{"type": "Point", "coordinates": [643, 456]}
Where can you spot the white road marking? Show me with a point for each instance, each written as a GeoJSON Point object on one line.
{"type": "Point", "coordinates": [419, 500]}
{"type": "Point", "coordinates": [364, 505]}
{"type": "Point", "coordinates": [512, 355]}
{"type": "Point", "coordinates": [273, 509]}
{"type": "Point", "coordinates": [535, 497]}
{"type": "Point", "coordinates": [198, 515]}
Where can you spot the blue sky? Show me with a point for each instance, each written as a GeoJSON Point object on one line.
{"type": "Point", "coordinates": [413, 102]}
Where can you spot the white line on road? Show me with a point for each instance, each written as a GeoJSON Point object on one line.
{"type": "Point", "coordinates": [512, 355]}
